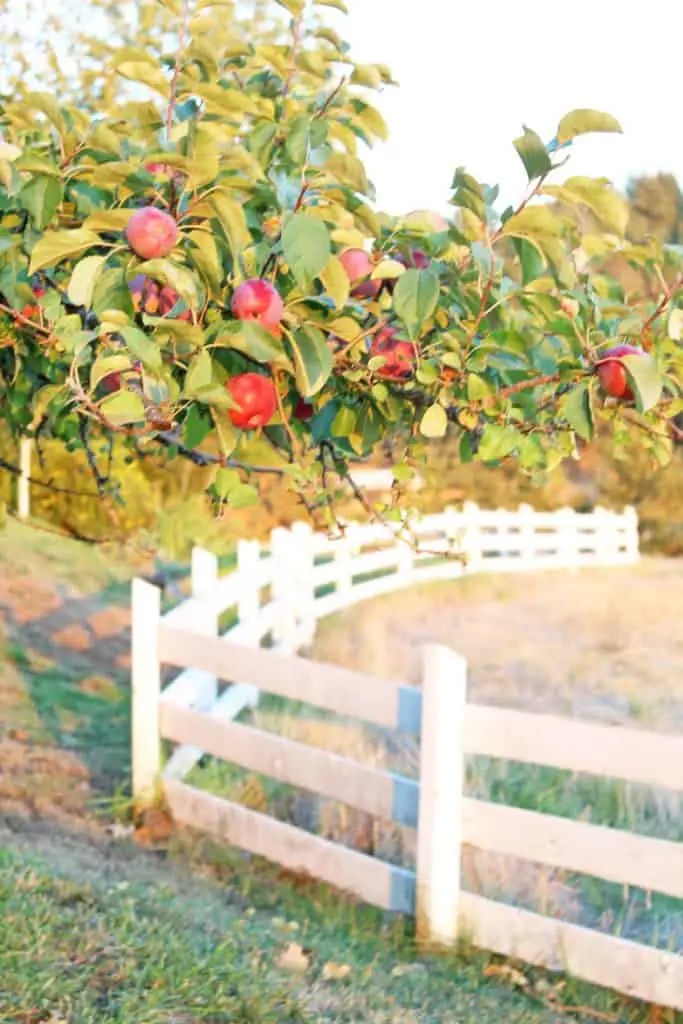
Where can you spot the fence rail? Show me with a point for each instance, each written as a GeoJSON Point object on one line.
{"type": "Point", "coordinates": [278, 595]}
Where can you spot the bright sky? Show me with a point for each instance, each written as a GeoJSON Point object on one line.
{"type": "Point", "coordinates": [472, 73]}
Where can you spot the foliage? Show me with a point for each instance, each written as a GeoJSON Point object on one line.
{"type": "Point", "coordinates": [249, 140]}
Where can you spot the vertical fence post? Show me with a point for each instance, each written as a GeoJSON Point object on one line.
{"type": "Point", "coordinates": [472, 537]}
{"type": "Point", "coordinates": [527, 536]}
{"type": "Point", "coordinates": [569, 539]}
{"type": "Point", "coordinates": [204, 579]}
{"type": "Point", "coordinates": [23, 483]}
{"type": "Point", "coordinates": [145, 687]}
{"type": "Point", "coordinates": [405, 559]}
{"type": "Point", "coordinates": [631, 538]}
{"type": "Point", "coordinates": [282, 591]}
{"type": "Point", "coordinates": [304, 563]}
{"type": "Point", "coordinates": [248, 561]}
{"type": "Point", "coordinates": [442, 780]}
{"type": "Point", "coordinates": [345, 549]}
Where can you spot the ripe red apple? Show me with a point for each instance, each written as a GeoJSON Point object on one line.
{"type": "Point", "coordinates": [150, 297]}
{"type": "Point", "coordinates": [416, 258]}
{"type": "Point", "coordinates": [399, 354]}
{"type": "Point", "coordinates": [356, 263]}
{"type": "Point", "coordinates": [303, 410]}
{"type": "Point", "coordinates": [260, 301]}
{"type": "Point", "coordinates": [31, 309]}
{"type": "Point", "coordinates": [612, 372]}
{"type": "Point", "coordinates": [151, 233]}
{"type": "Point", "coordinates": [255, 396]}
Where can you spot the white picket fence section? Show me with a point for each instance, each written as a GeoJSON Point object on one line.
{"type": "Point", "coordinates": [276, 596]}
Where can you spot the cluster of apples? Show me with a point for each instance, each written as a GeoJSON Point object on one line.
{"type": "Point", "coordinates": [152, 233]}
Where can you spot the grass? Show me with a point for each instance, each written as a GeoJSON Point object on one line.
{"type": "Point", "coordinates": [107, 936]}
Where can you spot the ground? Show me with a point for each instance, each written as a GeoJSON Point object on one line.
{"type": "Point", "coordinates": [103, 930]}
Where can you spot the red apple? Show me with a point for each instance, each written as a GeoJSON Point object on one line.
{"type": "Point", "coordinates": [151, 233]}
{"type": "Point", "coordinates": [367, 289]}
{"type": "Point", "coordinates": [399, 354]}
{"type": "Point", "coordinates": [303, 410]}
{"type": "Point", "coordinates": [416, 258]}
{"type": "Point", "coordinates": [150, 297]}
{"type": "Point", "coordinates": [260, 301]}
{"type": "Point", "coordinates": [356, 263]}
{"type": "Point", "coordinates": [612, 372]}
{"type": "Point", "coordinates": [31, 310]}
{"type": "Point", "coordinates": [255, 396]}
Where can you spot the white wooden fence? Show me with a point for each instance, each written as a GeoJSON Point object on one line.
{"type": "Point", "coordinates": [278, 594]}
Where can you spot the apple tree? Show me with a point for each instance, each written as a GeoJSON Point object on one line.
{"type": "Point", "coordinates": [192, 263]}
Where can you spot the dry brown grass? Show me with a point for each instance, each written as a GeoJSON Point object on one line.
{"type": "Point", "coordinates": [603, 643]}
{"type": "Point", "coordinates": [600, 644]}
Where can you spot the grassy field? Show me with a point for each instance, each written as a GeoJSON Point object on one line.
{"type": "Point", "coordinates": [98, 929]}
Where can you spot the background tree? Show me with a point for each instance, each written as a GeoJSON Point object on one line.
{"type": "Point", "coordinates": [191, 262]}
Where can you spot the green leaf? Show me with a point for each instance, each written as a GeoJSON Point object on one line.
{"type": "Point", "coordinates": [142, 347]}
{"type": "Point", "coordinates": [56, 246]}
{"type": "Point", "coordinates": [579, 122]}
{"type": "Point", "coordinates": [415, 298]}
{"type": "Point", "coordinates": [254, 341]}
{"type": "Point", "coordinates": [83, 280]}
{"type": "Point", "coordinates": [243, 496]}
{"type": "Point", "coordinates": [313, 360]}
{"type": "Point", "coordinates": [575, 406]}
{"type": "Point", "coordinates": [123, 407]}
{"type": "Point", "coordinates": [196, 426]}
{"type": "Point", "coordinates": [338, 5]}
{"type": "Point", "coordinates": [225, 480]}
{"type": "Point", "coordinates": [497, 442]}
{"type": "Point", "coordinates": [41, 197]}
{"type": "Point", "coordinates": [231, 216]}
{"type": "Point", "coordinates": [336, 282]}
{"type": "Point", "coordinates": [645, 379]}
{"type": "Point", "coordinates": [146, 74]}
{"type": "Point", "coordinates": [477, 388]}
{"type": "Point", "coordinates": [306, 247]}
{"type": "Point", "coordinates": [199, 373]}
{"type": "Point", "coordinates": [533, 154]}
{"type": "Point", "coordinates": [530, 259]}
{"type": "Point", "coordinates": [676, 325]}
{"type": "Point", "coordinates": [112, 293]}
{"type": "Point", "coordinates": [434, 422]}
{"type": "Point", "coordinates": [205, 256]}
{"type": "Point", "coordinates": [104, 365]}
{"type": "Point", "coordinates": [9, 152]}
{"type": "Point", "coordinates": [533, 221]}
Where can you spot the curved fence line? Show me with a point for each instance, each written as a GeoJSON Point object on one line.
{"type": "Point", "coordinates": [242, 631]}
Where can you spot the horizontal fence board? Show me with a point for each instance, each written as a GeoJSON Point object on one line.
{"type": "Point", "coordinates": [640, 972]}
{"type": "Point", "coordinates": [617, 856]}
{"type": "Point", "coordinates": [353, 694]}
{"type": "Point", "coordinates": [296, 764]}
{"type": "Point", "coordinates": [370, 879]}
{"type": "Point", "coordinates": [633, 755]}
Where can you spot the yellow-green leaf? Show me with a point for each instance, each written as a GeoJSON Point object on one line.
{"type": "Point", "coordinates": [83, 280]}
{"type": "Point", "coordinates": [56, 246]}
{"type": "Point", "coordinates": [434, 422]}
{"type": "Point", "coordinates": [122, 408]}
{"type": "Point", "coordinates": [336, 282]}
{"type": "Point", "coordinates": [579, 122]}
{"type": "Point", "coordinates": [313, 360]}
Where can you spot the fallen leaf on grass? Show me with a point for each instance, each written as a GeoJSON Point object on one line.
{"type": "Point", "coordinates": [507, 973]}
{"type": "Point", "coordinates": [400, 970]}
{"type": "Point", "coordinates": [335, 972]}
{"type": "Point", "coordinates": [293, 958]}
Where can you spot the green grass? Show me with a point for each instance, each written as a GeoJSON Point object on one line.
{"type": "Point", "coordinates": [129, 942]}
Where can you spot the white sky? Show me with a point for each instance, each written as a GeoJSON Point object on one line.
{"type": "Point", "coordinates": [472, 72]}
